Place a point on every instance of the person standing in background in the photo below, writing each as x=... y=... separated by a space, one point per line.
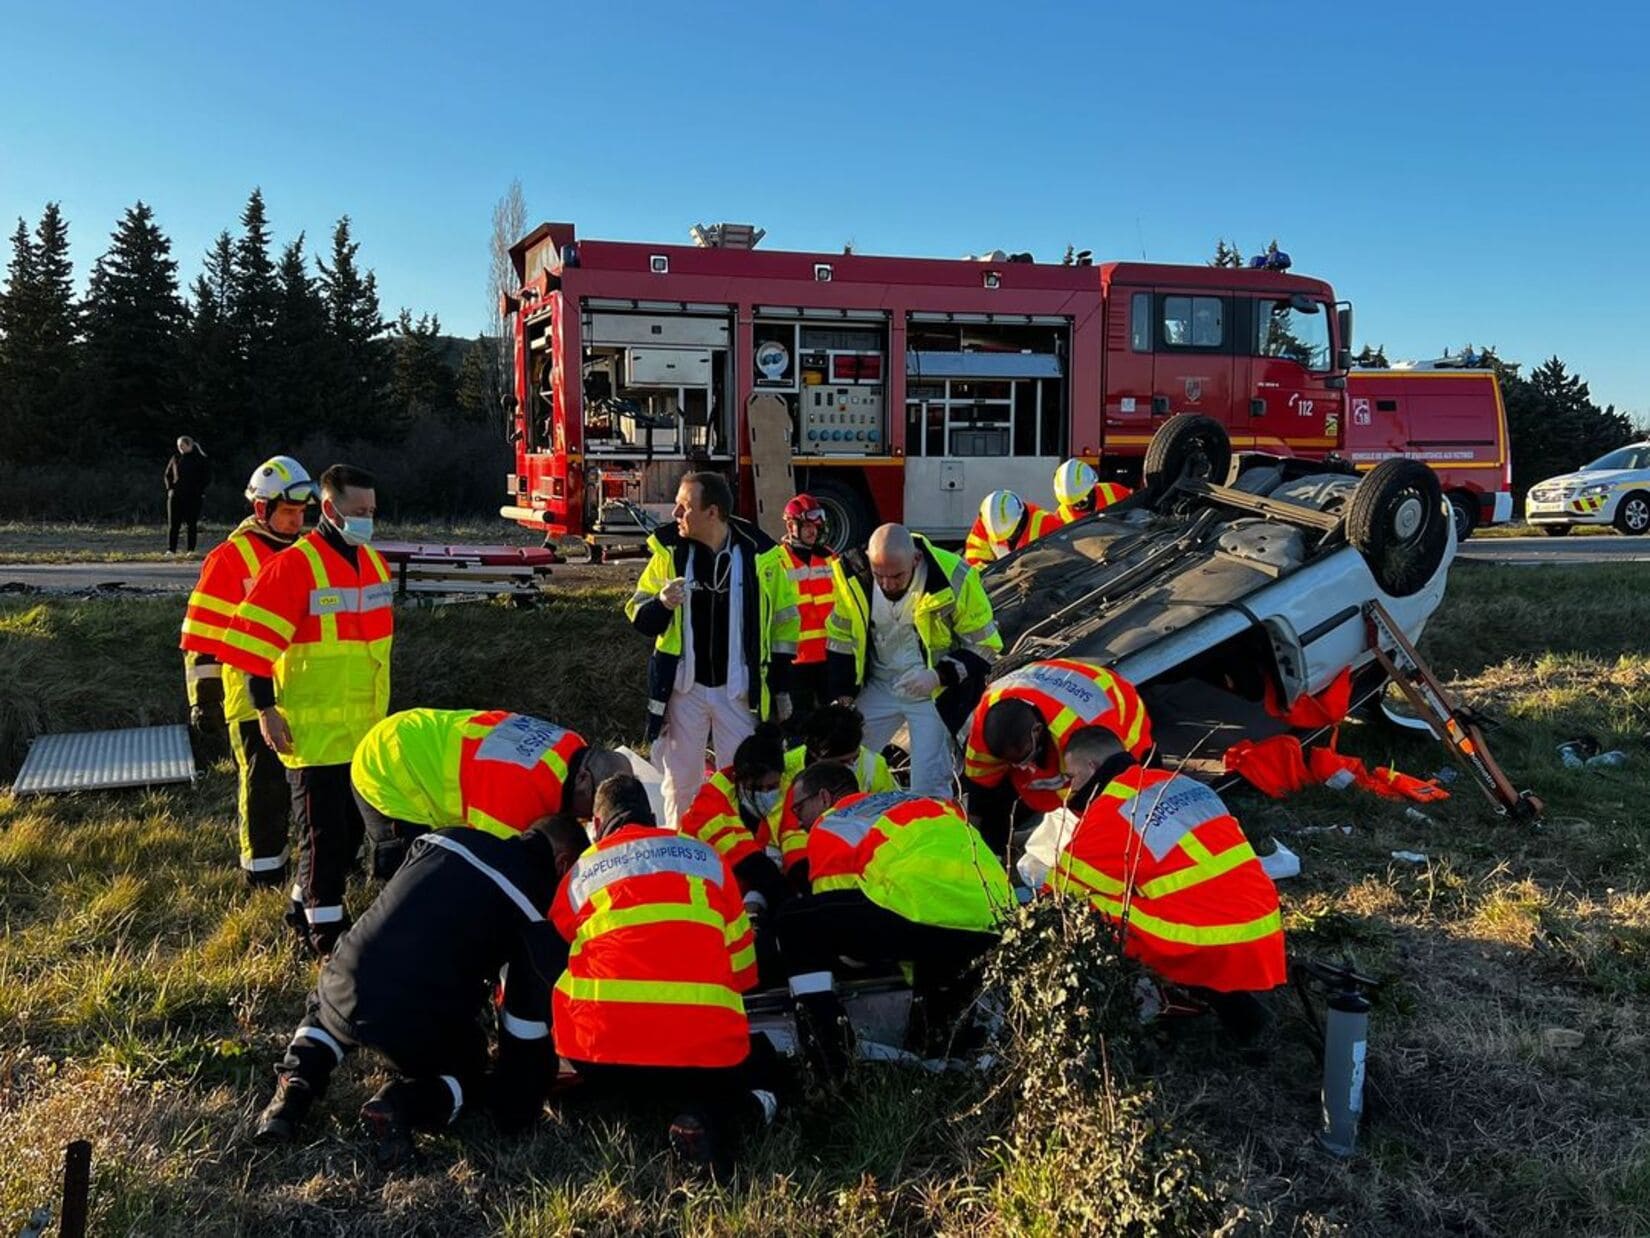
x=187 y=475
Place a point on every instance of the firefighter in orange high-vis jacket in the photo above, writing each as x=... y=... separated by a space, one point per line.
x=660 y=952
x=1006 y=523
x=489 y=769
x=731 y=814
x=314 y=635
x=1079 y=491
x=1017 y=736
x=1159 y=855
x=808 y=561
x=279 y=490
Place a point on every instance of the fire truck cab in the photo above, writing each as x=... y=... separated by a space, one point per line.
x=913 y=386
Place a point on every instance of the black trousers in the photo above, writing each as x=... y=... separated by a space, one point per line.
x=264 y=801
x=809 y=688
x=182 y=509
x=817 y=931
x=387 y=837
x=329 y=836
x=443 y=1067
x=721 y=1095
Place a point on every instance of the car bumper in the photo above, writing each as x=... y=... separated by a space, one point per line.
x=1596 y=509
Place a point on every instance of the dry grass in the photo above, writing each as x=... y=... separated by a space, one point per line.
x=144 y=993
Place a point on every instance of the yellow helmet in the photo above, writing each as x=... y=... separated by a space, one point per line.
x=1074 y=481
x=1000 y=512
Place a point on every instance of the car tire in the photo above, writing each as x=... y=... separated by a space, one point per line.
x=1186 y=445
x=1464 y=508
x=1555 y=530
x=1633 y=514
x=1398 y=521
x=847 y=516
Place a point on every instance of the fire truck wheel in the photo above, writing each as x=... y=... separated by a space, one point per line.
x=1633 y=514
x=1186 y=445
x=1465 y=511
x=847 y=516
x=1397 y=521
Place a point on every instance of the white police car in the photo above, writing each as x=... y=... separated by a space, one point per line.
x=1614 y=489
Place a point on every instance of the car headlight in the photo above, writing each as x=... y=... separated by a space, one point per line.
x=1587 y=492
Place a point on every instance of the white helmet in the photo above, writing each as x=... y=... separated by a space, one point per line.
x=1000 y=512
x=283 y=478
x=1074 y=481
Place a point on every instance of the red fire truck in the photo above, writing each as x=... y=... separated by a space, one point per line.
x=914 y=385
x=1446 y=416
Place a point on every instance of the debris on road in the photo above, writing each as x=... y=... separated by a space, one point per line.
x=1409 y=857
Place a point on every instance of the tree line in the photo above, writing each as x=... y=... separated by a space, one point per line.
x=1553 y=421
x=272 y=347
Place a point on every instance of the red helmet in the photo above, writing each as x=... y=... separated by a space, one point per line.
x=804 y=508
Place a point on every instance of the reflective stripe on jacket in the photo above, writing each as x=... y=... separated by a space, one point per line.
x=915 y=856
x=323 y=630
x=714 y=819
x=660 y=951
x=981 y=549
x=226 y=576
x=870 y=772
x=953 y=616
x=1160 y=853
x=1068 y=694
x=491 y=769
x=772 y=623
x=1105 y=494
x=815 y=583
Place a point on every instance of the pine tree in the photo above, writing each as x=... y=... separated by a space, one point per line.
x=1553 y=422
x=253 y=275
x=134 y=324
x=477 y=384
x=216 y=384
x=1372 y=359
x=1226 y=254
x=38 y=337
x=304 y=349
x=421 y=385
x=357 y=381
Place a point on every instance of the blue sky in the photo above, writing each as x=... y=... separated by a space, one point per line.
x=1460 y=172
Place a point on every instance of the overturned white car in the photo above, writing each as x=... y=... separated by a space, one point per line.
x=1225 y=571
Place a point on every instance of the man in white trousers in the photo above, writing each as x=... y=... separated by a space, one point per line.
x=913 y=636
x=722 y=610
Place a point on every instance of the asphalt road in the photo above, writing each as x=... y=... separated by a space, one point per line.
x=1544 y=549
x=178 y=577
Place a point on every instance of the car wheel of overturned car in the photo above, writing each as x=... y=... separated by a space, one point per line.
x=1186 y=445
x=1633 y=514
x=1398 y=522
x=1465 y=514
x=1556 y=530
x=847 y=520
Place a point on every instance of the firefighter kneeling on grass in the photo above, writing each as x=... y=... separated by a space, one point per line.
x=314 y=636
x=492 y=770
x=898 y=879
x=1013 y=761
x=1159 y=854
x=279 y=490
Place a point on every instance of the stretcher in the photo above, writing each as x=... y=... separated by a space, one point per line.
x=431 y=572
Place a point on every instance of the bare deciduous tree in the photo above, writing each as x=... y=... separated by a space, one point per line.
x=509 y=226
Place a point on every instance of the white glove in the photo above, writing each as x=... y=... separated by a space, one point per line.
x=918 y=684
x=782 y=707
x=674 y=592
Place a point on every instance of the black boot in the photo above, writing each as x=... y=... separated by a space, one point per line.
x=387 y=1127
x=281 y=1118
x=697 y=1144
x=272 y=879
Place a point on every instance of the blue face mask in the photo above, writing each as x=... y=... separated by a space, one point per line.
x=356 y=530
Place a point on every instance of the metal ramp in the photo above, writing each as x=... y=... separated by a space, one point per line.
x=141 y=756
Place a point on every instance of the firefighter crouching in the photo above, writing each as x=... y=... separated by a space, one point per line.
x=809 y=563
x=834 y=734
x=1013 y=760
x=313 y=635
x=412 y=978
x=896 y=879
x=730 y=815
x=1006 y=523
x=492 y=770
x=278 y=490
x=723 y=613
x=913 y=635
x=1079 y=491
x=1160 y=854
x=660 y=952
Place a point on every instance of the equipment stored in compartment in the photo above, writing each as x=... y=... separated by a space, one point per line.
x=667 y=367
